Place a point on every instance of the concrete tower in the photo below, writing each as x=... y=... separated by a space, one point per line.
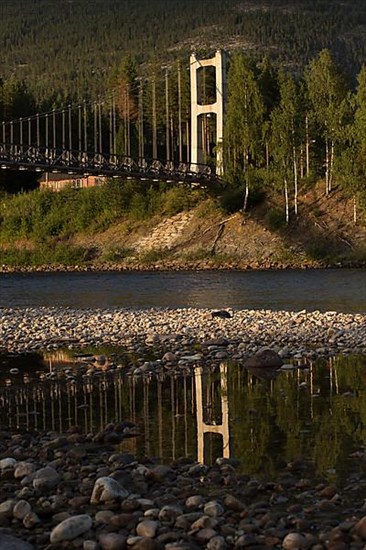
x=216 y=108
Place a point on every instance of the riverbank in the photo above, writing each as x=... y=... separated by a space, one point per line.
x=79 y=490
x=180 y=265
x=69 y=491
x=190 y=334
x=202 y=236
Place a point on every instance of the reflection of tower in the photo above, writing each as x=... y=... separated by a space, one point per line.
x=199 y=108
x=203 y=427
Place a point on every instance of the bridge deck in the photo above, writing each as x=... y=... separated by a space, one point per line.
x=42 y=159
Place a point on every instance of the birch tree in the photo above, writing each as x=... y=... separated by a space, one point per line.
x=245 y=110
x=326 y=91
x=352 y=161
x=285 y=139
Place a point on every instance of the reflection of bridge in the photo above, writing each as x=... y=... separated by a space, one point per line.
x=88 y=138
x=203 y=427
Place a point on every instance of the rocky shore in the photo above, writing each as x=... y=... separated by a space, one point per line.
x=229 y=334
x=77 y=490
x=67 y=491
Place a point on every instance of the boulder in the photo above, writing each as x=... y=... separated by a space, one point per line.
x=264 y=358
x=106 y=489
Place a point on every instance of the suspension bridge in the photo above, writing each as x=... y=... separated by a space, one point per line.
x=86 y=139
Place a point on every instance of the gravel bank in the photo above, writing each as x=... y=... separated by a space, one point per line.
x=242 y=332
x=68 y=491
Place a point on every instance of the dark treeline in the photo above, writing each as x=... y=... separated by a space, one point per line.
x=67 y=49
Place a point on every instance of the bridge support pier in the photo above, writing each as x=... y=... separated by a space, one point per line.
x=216 y=108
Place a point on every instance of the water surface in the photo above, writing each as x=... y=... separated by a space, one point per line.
x=316 y=412
x=342 y=290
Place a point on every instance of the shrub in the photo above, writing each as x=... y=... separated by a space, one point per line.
x=276 y=219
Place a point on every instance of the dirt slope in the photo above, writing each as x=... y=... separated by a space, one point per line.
x=323 y=233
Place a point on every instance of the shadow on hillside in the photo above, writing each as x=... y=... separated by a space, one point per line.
x=322 y=231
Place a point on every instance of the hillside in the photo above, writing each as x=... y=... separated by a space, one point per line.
x=70 y=48
x=202 y=236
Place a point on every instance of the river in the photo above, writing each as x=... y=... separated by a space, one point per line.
x=342 y=290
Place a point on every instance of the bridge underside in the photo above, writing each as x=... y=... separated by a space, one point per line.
x=41 y=159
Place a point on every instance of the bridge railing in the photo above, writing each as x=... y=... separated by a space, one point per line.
x=48 y=159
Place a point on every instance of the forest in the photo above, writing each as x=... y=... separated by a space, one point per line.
x=68 y=49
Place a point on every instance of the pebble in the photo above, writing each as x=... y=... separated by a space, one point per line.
x=106 y=489
x=71 y=528
x=290 y=333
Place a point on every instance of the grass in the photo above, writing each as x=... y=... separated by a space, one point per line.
x=59 y=253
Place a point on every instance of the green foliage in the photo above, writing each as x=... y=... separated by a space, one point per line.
x=49 y=219
x=117 y=253
x=276 y=219
x=155 y=255
x=53 y=252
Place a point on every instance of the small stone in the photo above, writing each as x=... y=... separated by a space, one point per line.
x=147 y=528
x=112 y=541
x=213 y=509
x=170 y=513
x=169 y=356
x=204 y=535
x=7 y=463
x=30 y=520
x=233 y=503
x=7 y=507
x=71 y=528
x=106 y=489
x=360 y=528
x=90 y=545
x=216 y=543
x=294 y=541
x=21 y=509
x=194 y=501
x=103 y=516
x=45 y=479
x=24 y=469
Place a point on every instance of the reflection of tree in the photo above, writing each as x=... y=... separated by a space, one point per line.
x=318 y=413
x=306 y=413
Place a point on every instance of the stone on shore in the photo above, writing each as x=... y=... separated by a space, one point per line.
x=266 y=358
x=71 y=528
x=107 y=489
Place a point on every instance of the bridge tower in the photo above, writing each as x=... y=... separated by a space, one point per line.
x=198 y=108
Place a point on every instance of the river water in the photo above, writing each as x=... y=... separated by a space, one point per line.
x=315 y=411
x=342 y=290
x=265 y=420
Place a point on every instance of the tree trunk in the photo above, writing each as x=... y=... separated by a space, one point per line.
x=295 y=180
x=246 y=196
x=354 y=210
x=286 y=200
x=326 y=167
x=331 y=164
x=307 y=146
x=301 y=161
